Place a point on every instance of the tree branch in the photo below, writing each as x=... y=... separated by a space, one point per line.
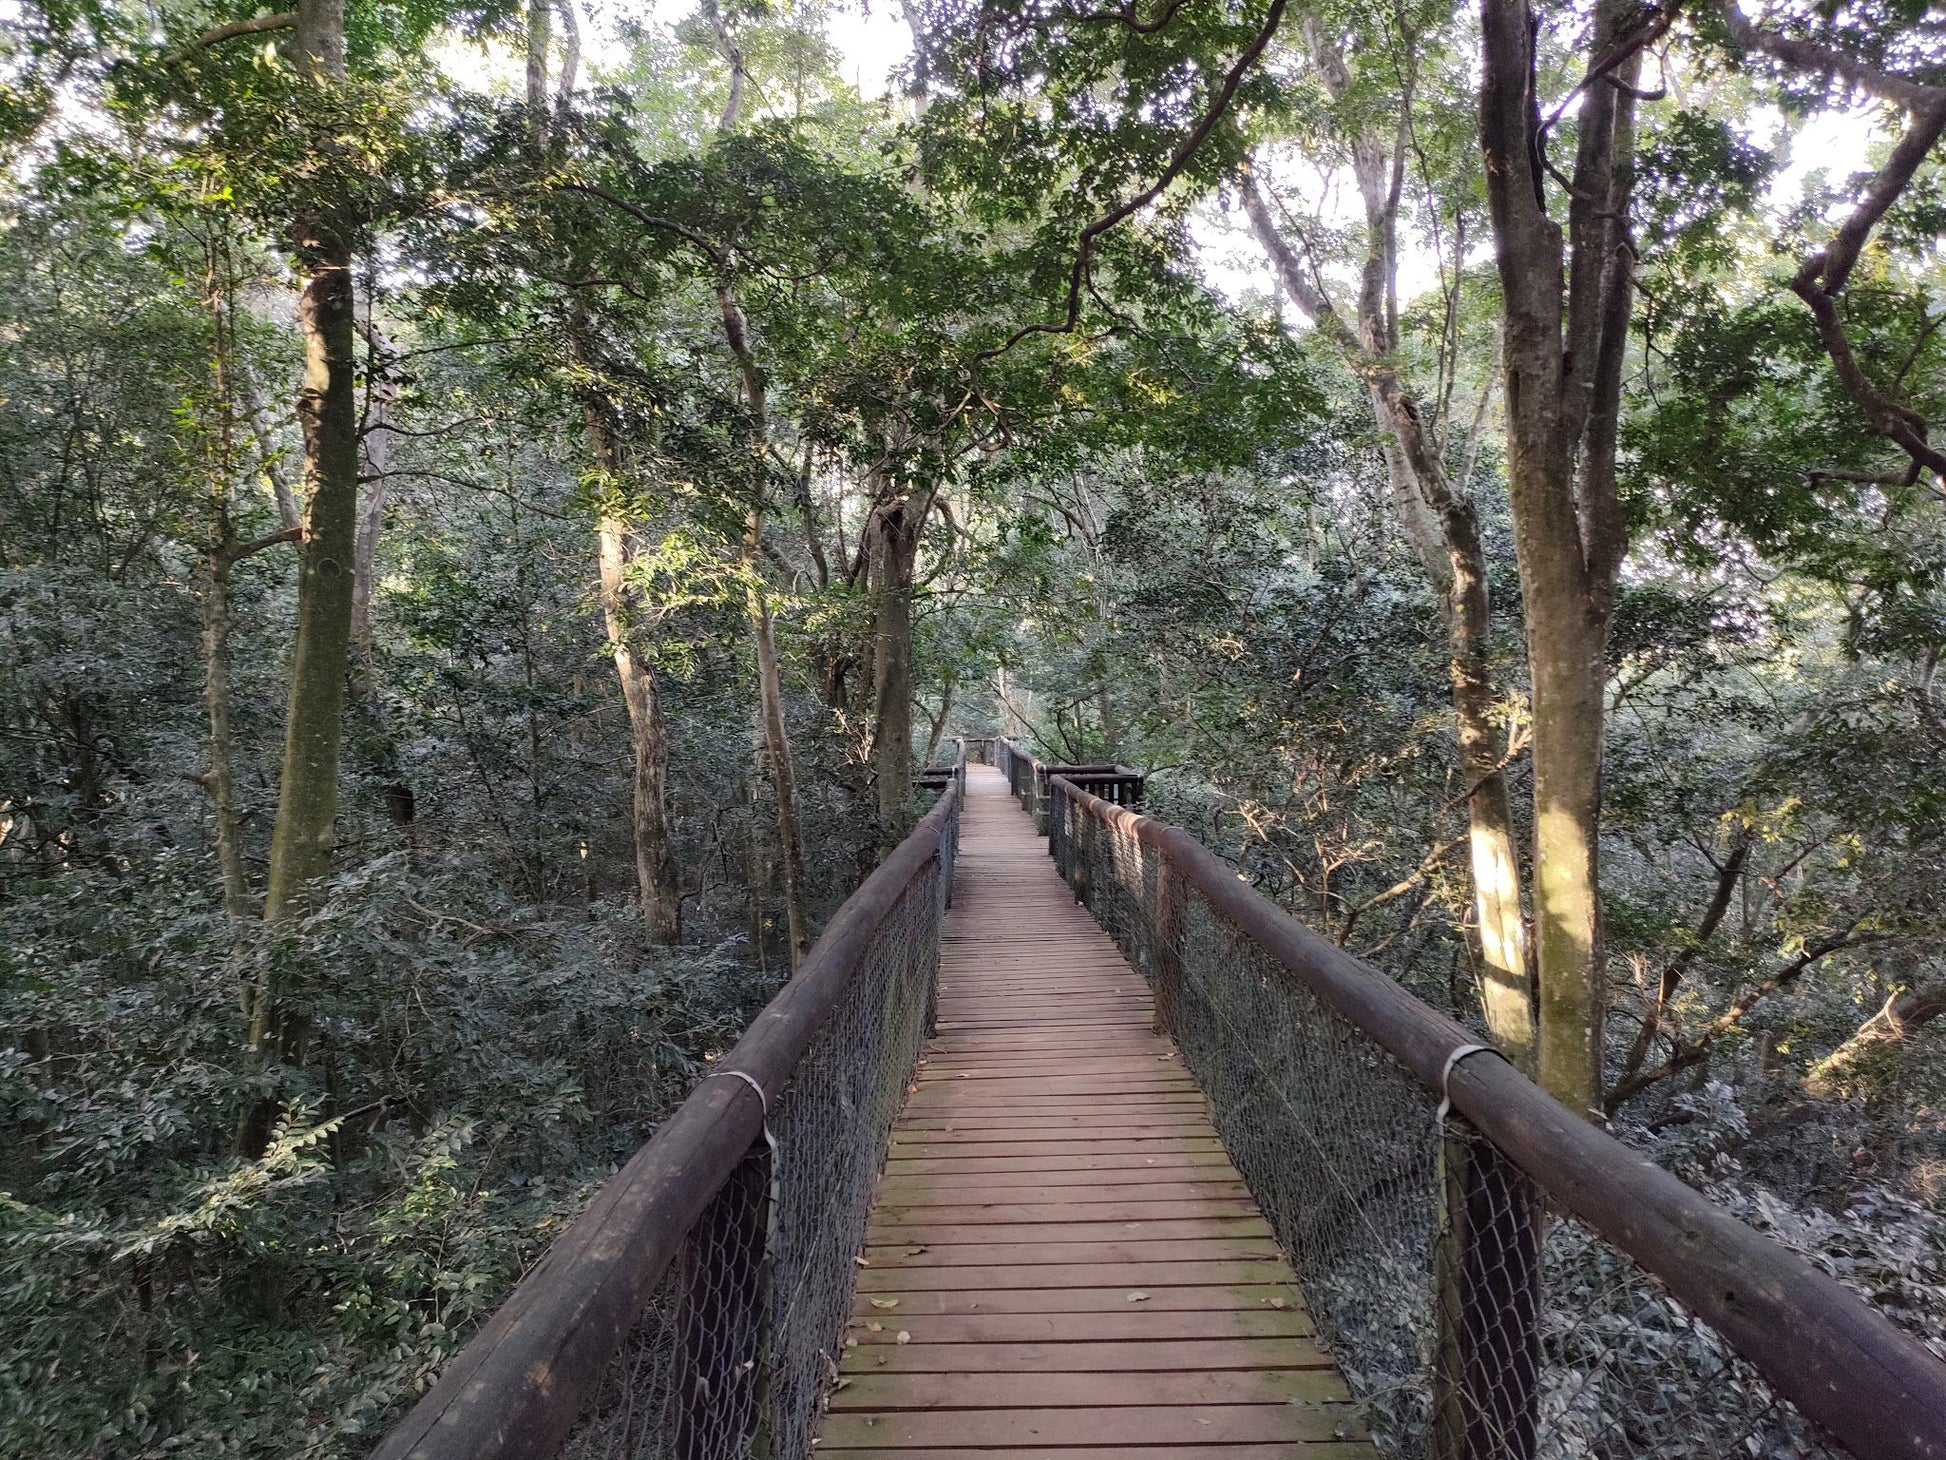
x=237 y=552
x=708 y=246
x=1822 y=277
x=284 y=20
x=1178 y=162
x=1688 y=1056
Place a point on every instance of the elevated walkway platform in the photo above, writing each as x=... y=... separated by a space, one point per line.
x=1062 y=1263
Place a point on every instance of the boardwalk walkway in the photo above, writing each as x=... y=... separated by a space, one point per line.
x=1062 y=1263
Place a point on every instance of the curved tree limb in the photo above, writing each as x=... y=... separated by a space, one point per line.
x=257 y=25
x=1178 y=162
x=1822 y=277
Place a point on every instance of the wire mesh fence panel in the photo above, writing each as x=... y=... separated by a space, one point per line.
x=735 y=1351
x=1112 y=873
x=831 y=1129
x=628 y=1417
x=1341 y=1151
x=1471 y=1321
x=1629 y=1371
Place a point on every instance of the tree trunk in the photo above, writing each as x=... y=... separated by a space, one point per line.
x=777 y=744
x=895 y=546
x=1562 y=391
x=289 y=513
x=1867 y=1057
x=655 y=870
x=938 y=731
x=327 y=409
x=220 y=779
x=570 y=53
x=770 y=685
x=539 y=28
x=1565 y=655
x=655 y=865
x=381 y=390
x=1442 y=527
x=305 y=833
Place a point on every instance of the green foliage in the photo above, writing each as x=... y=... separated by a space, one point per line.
x=481 y=1070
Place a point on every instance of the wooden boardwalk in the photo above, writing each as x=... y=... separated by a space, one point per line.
x=1062 y=1263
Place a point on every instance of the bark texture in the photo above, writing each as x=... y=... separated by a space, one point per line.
x=220 y=779
x=895 y=527
x=651 y=824
x=327 y=409
x=1442 y=526
x=770 y=684
x=1565 y=320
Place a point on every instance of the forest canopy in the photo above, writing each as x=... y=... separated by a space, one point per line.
x=499 y=501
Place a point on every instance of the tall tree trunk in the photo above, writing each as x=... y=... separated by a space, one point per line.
x=895 y=529
x=305 y=833
x=1563 y=392
x=655 y=863
x=570 y=53
x=1442 y=527
x=777 y=744
x=938 y=731
x=655 y=869
x=770 y=684
x=381 y=391
x=220 y=779
x=289 y=513
x=756 y=862
x=307 y=806
x=539 y=26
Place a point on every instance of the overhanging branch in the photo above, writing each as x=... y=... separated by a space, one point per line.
x=1178 y=162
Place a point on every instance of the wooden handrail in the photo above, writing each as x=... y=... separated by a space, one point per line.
x=515 y=1390
x=1840 y=1361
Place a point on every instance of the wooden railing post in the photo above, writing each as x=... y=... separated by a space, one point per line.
x=1165 y=943
x=1078 y=830
x=722 y=1324
x=1487 y=1293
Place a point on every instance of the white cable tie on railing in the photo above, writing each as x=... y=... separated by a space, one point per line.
x=770 y=1141
x=1446 y=1078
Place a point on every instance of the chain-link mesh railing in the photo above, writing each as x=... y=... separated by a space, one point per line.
x=1022 y=771
x=745 y=1232
x=1474 y=1312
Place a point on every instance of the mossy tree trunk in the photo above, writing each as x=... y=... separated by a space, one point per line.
x=1565 y=318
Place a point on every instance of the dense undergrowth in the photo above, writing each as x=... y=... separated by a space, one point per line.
x=480 y=1070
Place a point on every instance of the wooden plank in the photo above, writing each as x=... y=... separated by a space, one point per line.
x=1146 y=1424
x=1052 y=1250
x=1086 y=1356
x=1137 y=1272
x=1265 y=1293
x=985 y=1120
x=1094 y=1159
x=1191 y=1185
x=1105 y=1172
x=921 y=1391
x=1144 y=1325
x=893 y=1213
x=1301 y=1450
x=1145 y=1151
x=1068 y=1230
x=1087 y=1137
x=929 y=1098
